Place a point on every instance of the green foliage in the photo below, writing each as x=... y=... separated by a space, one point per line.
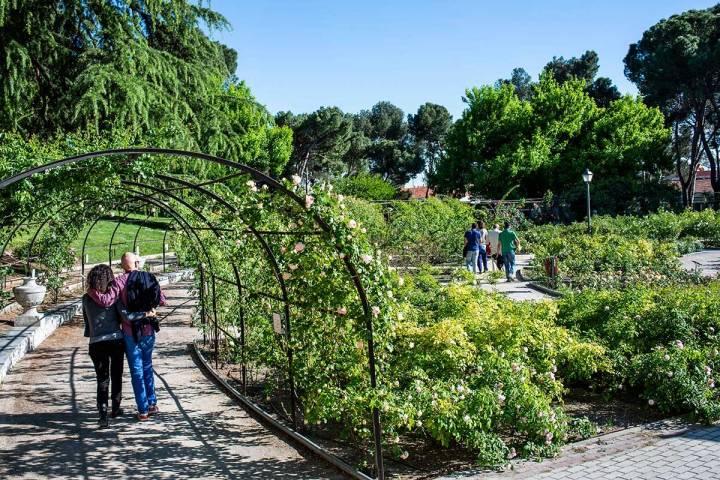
x=662 y=342
x=366 y=186
x=625 y=249
x=675 y=68
x=429 y=230
x=149 y=69
x=545 y=142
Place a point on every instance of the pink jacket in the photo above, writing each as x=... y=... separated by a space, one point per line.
x=115 y=292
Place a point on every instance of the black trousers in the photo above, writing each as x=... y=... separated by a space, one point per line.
x=108 y=358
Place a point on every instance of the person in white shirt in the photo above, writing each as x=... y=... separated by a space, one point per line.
x=482 y=254
x=493 y=243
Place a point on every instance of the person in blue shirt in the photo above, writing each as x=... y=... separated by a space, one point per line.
x=472 y=245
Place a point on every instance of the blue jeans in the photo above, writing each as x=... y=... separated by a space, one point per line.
x=482 y=259
x=509 y=261
x=471 y=260
x=139 y=356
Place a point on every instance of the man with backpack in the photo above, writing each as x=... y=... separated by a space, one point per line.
x=138 y=291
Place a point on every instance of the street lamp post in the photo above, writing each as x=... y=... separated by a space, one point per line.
x=587 y=178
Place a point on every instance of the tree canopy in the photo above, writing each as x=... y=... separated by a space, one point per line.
x=676 y=66
x=545 y=142
x=146 y=67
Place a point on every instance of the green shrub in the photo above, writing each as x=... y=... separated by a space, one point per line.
x=428 y=230
x=366 y=186
x=663 y=342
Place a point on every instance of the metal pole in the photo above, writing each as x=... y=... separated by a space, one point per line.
x=589 y=221
x=215 y=321
x=202 y=302
x=87 y=235
x=164 y=249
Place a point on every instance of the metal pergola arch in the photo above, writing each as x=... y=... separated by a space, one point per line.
x=276 y=188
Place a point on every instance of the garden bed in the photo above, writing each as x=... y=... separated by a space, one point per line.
x=428 y=459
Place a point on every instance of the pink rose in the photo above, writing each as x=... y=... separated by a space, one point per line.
x=342 y=311
x=299 y=247
x=375 y=311
x=352 y=224
x=286 y=276
x=309 y=200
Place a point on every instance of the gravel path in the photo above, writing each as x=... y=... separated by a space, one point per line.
x=48 y=430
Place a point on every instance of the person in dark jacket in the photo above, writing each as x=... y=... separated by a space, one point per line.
x=107 y=343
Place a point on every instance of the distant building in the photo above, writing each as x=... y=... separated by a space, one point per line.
x=421 y=191
x=702 y=181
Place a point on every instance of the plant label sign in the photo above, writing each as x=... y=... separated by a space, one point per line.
x=277 y=324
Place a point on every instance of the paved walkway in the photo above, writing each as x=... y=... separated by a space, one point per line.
x=665 y=450
x=707 y=261
x=48 y=429
x=516 y=290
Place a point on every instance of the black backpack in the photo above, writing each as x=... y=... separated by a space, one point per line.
x=143 y=291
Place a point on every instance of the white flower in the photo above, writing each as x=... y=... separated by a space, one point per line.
x=670 y=374
x=400 y=316
x=251 y=184
x=651 y=402
x=466 y=418
x=299 y=247
x=283 y=249
x=418 y=423
x=404 y=455
x=607 y=308
x=460 y=388
x=548 y=437
x=434 y=403
x=666 y=357
x=296 y=179
x=341 y=198
x=309 y=200
x=711 y=382
x=712 y=330
x=679 y=344
x=525 y=349
x=238 y=242
x=293 y=266
x=341 y=255
x=286 y=276
x=401 y=281
x=363 y=230
x=352 y=224
x=501 y=398
x=265 y=186
x=511 y=454
x=367 y=258
x=412 y=345
x=515 y=367
x=375 y=311
x=551 y=375
x=342 y=311
x=708 y=370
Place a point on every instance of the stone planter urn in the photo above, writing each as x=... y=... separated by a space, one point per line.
x=29 y=295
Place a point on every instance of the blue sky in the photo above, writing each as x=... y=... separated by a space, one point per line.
x=300 y=55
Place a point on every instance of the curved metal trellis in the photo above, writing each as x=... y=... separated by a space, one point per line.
x=276 y=188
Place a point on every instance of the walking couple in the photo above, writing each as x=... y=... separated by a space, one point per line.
x=120 y=320
x=501 y=244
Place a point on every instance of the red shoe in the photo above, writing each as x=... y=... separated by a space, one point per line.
x=143 y=417
x=153 y=410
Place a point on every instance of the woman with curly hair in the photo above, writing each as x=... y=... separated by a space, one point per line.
x=107 y=343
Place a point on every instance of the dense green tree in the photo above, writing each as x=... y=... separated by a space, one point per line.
x=391 y=149
x=521 y=80
x=585 y=68
x=676 y=66
x=544 y=143
x=320 y=142
x=142 y=66
x=428 y=128
x=366 y=186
